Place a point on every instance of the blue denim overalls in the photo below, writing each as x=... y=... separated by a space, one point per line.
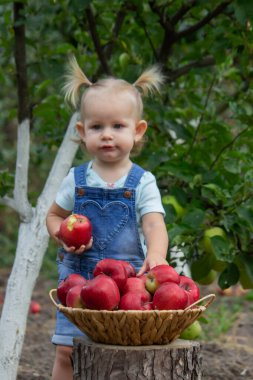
x=115 y=235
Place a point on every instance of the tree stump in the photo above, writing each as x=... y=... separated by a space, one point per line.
x=179 y=360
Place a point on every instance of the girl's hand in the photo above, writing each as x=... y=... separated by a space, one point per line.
x=73 y=250
x=150 y=262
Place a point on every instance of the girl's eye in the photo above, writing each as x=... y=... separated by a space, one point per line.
x=96 y=127
x=118 y=126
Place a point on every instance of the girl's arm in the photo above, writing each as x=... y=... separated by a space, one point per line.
x=157 y=241
x=55 y=216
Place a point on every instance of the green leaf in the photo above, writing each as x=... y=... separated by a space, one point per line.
x=201 y=267
x=220 y=246
x=230 y=276
x=194 y=218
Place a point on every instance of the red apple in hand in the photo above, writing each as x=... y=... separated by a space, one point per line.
x=191 y=289
x=160 y=274
x=135 y=301
x=100 y=293
x=114 y=269
x=73 y=298
x=131 y=272
x=64 y=286
x=169 y=296
x=75 y=230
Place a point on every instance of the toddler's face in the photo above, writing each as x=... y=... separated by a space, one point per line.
x=110 y=124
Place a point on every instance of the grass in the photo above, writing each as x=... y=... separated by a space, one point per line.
x=220 y=317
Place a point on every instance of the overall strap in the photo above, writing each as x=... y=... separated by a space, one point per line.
x=80 y=174
x=134 y=176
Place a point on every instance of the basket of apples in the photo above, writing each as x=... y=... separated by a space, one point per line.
x=117 y=307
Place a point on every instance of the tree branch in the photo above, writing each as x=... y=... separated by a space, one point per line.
x=201 y=116
x=205 y=62
x=148 y=37
x=182 y=11
x=7 y=201
x=227 y=146
x=61 y=165
x=20 y=60
x=117 y=26
x=23 y=139
x=219 y=9
x=96 y=40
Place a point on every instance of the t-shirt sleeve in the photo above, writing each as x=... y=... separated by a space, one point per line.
x=65 y=197
x=148 y=197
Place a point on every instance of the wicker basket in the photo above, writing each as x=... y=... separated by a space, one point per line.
x=132 y=327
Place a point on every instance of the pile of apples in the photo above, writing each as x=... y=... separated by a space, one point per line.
x=115 y=286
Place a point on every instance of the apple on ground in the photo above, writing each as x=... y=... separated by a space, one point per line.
x=35 y=307
x=64 y=286
x=131 y=272
x=170 y=296
x=100 y=293
x=171 y=200
x=192 y=332
x=191 y=288
x=160 y=274
x=73 y=298
x=208 y=234
x=114 y=269
x=135 y=300
x=135 y=284
x=75 y=230
x=209 y=278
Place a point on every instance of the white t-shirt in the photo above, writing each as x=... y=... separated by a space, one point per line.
x=148 y=198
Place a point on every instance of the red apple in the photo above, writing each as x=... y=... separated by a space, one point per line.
x=100 y=293
x=143 y=278
x=191 y=289
x=170 y=296
x=135 y=284
x=135 y=301
x=35 y=307
x=64 y=286
x=75 y=230
x=73 y=298
x=114 y=269
x=160 y=274
x=131 y=272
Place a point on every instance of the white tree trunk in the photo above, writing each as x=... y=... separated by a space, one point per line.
x=31 y=246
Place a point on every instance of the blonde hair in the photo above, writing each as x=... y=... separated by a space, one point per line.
x=148 y=83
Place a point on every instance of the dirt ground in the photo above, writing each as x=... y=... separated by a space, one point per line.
x=229 y=358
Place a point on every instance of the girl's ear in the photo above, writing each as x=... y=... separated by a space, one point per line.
x=80 y=130
x=140 y=130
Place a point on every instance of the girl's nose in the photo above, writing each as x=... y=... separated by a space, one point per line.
x=107 y=133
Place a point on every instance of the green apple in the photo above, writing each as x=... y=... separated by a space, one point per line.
x=208 y=234
x=192 y=332
x=124 y=60
x=171 y=200
x=219 y=265
x=245 y=279
x=209 y=278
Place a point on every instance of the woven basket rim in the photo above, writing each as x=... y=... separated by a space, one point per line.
x=194 y=307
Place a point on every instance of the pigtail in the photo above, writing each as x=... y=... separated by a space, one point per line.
x=150 y=81
x=74 y=80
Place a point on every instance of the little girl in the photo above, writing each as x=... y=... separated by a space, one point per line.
x=120 y=198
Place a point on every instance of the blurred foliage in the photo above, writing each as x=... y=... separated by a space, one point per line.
x=200 y=137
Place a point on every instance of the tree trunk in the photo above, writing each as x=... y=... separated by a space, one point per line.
x=32 y=244
x=179 y=360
